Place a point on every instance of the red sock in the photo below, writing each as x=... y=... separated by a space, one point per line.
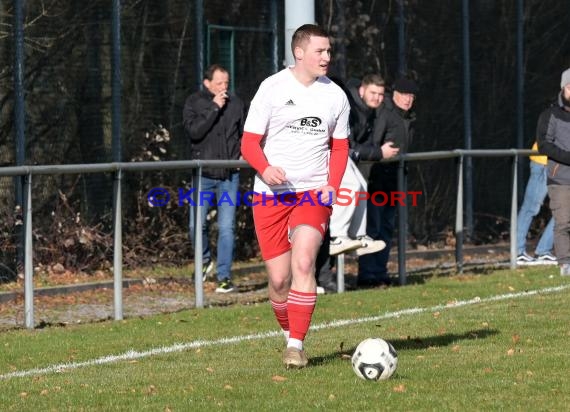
x=280 y=311
x=300 y=306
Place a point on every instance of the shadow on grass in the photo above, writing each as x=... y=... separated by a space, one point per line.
x=420 y=276
x=415 y=343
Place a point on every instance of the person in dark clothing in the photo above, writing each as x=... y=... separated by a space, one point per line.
x=213 y=120
x=394 y=125
x=553 y=137
x=348 y=220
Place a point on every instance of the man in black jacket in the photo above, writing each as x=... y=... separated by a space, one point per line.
x=553 y=137
x=394 y=126
x=348 y=219
x=213 y=121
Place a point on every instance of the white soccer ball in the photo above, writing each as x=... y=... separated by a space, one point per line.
x=374 y=359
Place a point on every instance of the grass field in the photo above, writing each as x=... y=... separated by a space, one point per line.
x=495 y=341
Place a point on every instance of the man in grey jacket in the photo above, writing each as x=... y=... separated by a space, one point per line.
x=553 y=136
x=213 y=120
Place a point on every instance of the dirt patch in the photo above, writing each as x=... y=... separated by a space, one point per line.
x=149 y=296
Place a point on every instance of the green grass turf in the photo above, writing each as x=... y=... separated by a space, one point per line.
x=505 y=353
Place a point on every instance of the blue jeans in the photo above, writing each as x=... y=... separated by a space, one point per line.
x=226 y=201
x=534 y=195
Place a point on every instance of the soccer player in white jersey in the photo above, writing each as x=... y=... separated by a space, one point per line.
x=295 y=137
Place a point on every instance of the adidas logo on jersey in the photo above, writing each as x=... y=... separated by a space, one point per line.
x=290 y=103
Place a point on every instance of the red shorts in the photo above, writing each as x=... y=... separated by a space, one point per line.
x=276 y=217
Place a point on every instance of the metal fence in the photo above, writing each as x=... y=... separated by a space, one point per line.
x=119 y=170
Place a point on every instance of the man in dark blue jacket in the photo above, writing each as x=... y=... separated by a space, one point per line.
x=553 y=136
x=394 y=128
x=213 y=121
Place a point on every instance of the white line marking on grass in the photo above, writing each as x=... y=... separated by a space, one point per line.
x=451 y=305
x=180 y=347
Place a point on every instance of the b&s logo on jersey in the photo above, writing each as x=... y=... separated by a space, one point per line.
x=307 y=125
x=308 y=121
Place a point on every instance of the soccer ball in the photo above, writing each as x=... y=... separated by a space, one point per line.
x=374 y=359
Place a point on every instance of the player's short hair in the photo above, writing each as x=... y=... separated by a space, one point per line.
x=304 y=33
x=209 y=73
x=374 y=79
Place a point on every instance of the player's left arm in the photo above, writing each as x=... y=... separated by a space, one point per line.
x=337 y=162
x=339 y=146
x=337 y=165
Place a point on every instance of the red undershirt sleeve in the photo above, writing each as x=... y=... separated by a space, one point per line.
x=337 y=163
x=252 y=152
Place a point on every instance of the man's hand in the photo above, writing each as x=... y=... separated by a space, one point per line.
x=220 y=99
x=326 y=195
x=274 y=175
x=388 y=150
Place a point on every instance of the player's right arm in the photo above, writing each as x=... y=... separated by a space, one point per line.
x=253 y=153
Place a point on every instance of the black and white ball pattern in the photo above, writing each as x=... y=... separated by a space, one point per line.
x=374 y=359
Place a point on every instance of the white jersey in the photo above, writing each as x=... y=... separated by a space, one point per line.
x=297 y=122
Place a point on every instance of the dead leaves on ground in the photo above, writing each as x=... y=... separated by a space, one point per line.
x=278 y=378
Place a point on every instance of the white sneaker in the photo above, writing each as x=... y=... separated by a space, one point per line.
x=341 y=244
x=369 y=245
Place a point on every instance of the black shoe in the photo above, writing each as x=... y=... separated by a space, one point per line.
x=547 y=258
x=329 y=287
x=525 y=259
x=225 y=286
x=373 y=283
x=207 y=268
